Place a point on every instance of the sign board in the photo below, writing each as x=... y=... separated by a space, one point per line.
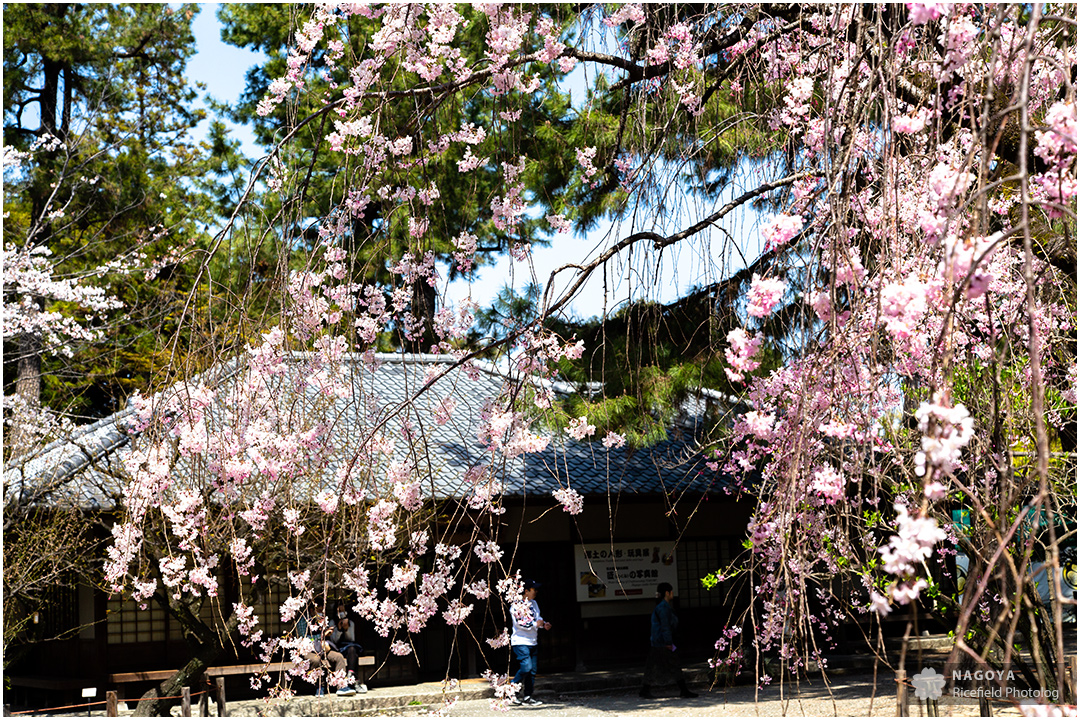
x=617 y=571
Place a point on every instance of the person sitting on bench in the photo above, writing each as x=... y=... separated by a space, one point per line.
x=344 y=639
x=315 y=626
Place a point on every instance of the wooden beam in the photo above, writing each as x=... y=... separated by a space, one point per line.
x=215 y=671
x=145 y=676
x=219 y=670
x=50 y=683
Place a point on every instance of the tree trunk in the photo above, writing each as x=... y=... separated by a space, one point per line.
x=50 y=91
x=65 y=117
x=158 y=701
x=28 y=388
x=206 y=646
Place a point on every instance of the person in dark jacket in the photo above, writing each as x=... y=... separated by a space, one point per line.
x=662 y=666
x=343 y=637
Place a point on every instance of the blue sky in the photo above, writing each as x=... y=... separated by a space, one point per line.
x=223 y=67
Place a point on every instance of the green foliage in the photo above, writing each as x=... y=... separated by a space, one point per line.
x=649 y=359
x=509 y=309
x=109 y=81
x=461 y=207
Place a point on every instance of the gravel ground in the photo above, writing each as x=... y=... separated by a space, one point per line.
x=851 y=695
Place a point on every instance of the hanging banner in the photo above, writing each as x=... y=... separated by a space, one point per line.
x=618 y=571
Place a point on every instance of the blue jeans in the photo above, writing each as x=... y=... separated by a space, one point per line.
x=526 y=657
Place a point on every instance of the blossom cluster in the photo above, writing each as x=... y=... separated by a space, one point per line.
x=570 y=499
x=30 y=280
x=906 y=552
x=742 y=347
x=764 y=294
x=946 y=431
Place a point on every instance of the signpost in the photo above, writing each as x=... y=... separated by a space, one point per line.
x=617 y=571
x=86 y=692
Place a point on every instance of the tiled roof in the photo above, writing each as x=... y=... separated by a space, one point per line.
x=87 y=467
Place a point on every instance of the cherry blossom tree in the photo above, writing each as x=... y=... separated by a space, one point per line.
x=100 y=200
x=103 y=194
x=912 y=169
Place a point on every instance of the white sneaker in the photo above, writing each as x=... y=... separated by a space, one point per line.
x=531 y=701
x=361 y=688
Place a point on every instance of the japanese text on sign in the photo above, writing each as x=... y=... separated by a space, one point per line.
x=623 y=570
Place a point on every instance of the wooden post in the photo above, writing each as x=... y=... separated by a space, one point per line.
x=185 y=701
x=110 y=704
x=985 y=709
x=204 y=699
x=931 y=708
x=1072 y=680
x=220 y=681
x=901 y=693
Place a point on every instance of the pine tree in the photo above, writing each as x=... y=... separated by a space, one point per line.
x=109 y=193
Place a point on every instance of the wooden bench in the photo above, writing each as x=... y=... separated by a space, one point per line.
x=125 y=679
x=121 y=680
x=363 y=662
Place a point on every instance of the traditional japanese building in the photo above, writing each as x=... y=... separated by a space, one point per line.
x=650 y=514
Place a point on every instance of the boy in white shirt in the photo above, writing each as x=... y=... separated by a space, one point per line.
x=525 y=615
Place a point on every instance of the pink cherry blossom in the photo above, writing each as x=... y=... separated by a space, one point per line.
x=934 y=490
x=382 y=530
x=910 y=124
x=570 y=499
x=759 y=424
x=457 y=612
x=585 y=158
x=903 y=592
x=946 y=431
x=829 y=484
x=907 y=551
x=922 y=13
x=579 y=428
x=499 y=641
x=327 y=501
x=629 y=12
x=764 y=294
x=488 y=552
x=741 y=348
x=614 y=440
x=781 y=230
x=559 y=222
x=879 y=604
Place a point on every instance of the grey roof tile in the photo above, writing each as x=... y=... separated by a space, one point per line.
x=86 y=466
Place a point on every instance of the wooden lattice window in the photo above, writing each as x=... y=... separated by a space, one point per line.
x=696 y=559
x=127 y=623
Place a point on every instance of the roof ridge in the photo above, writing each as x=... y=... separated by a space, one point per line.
x=80 y=431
